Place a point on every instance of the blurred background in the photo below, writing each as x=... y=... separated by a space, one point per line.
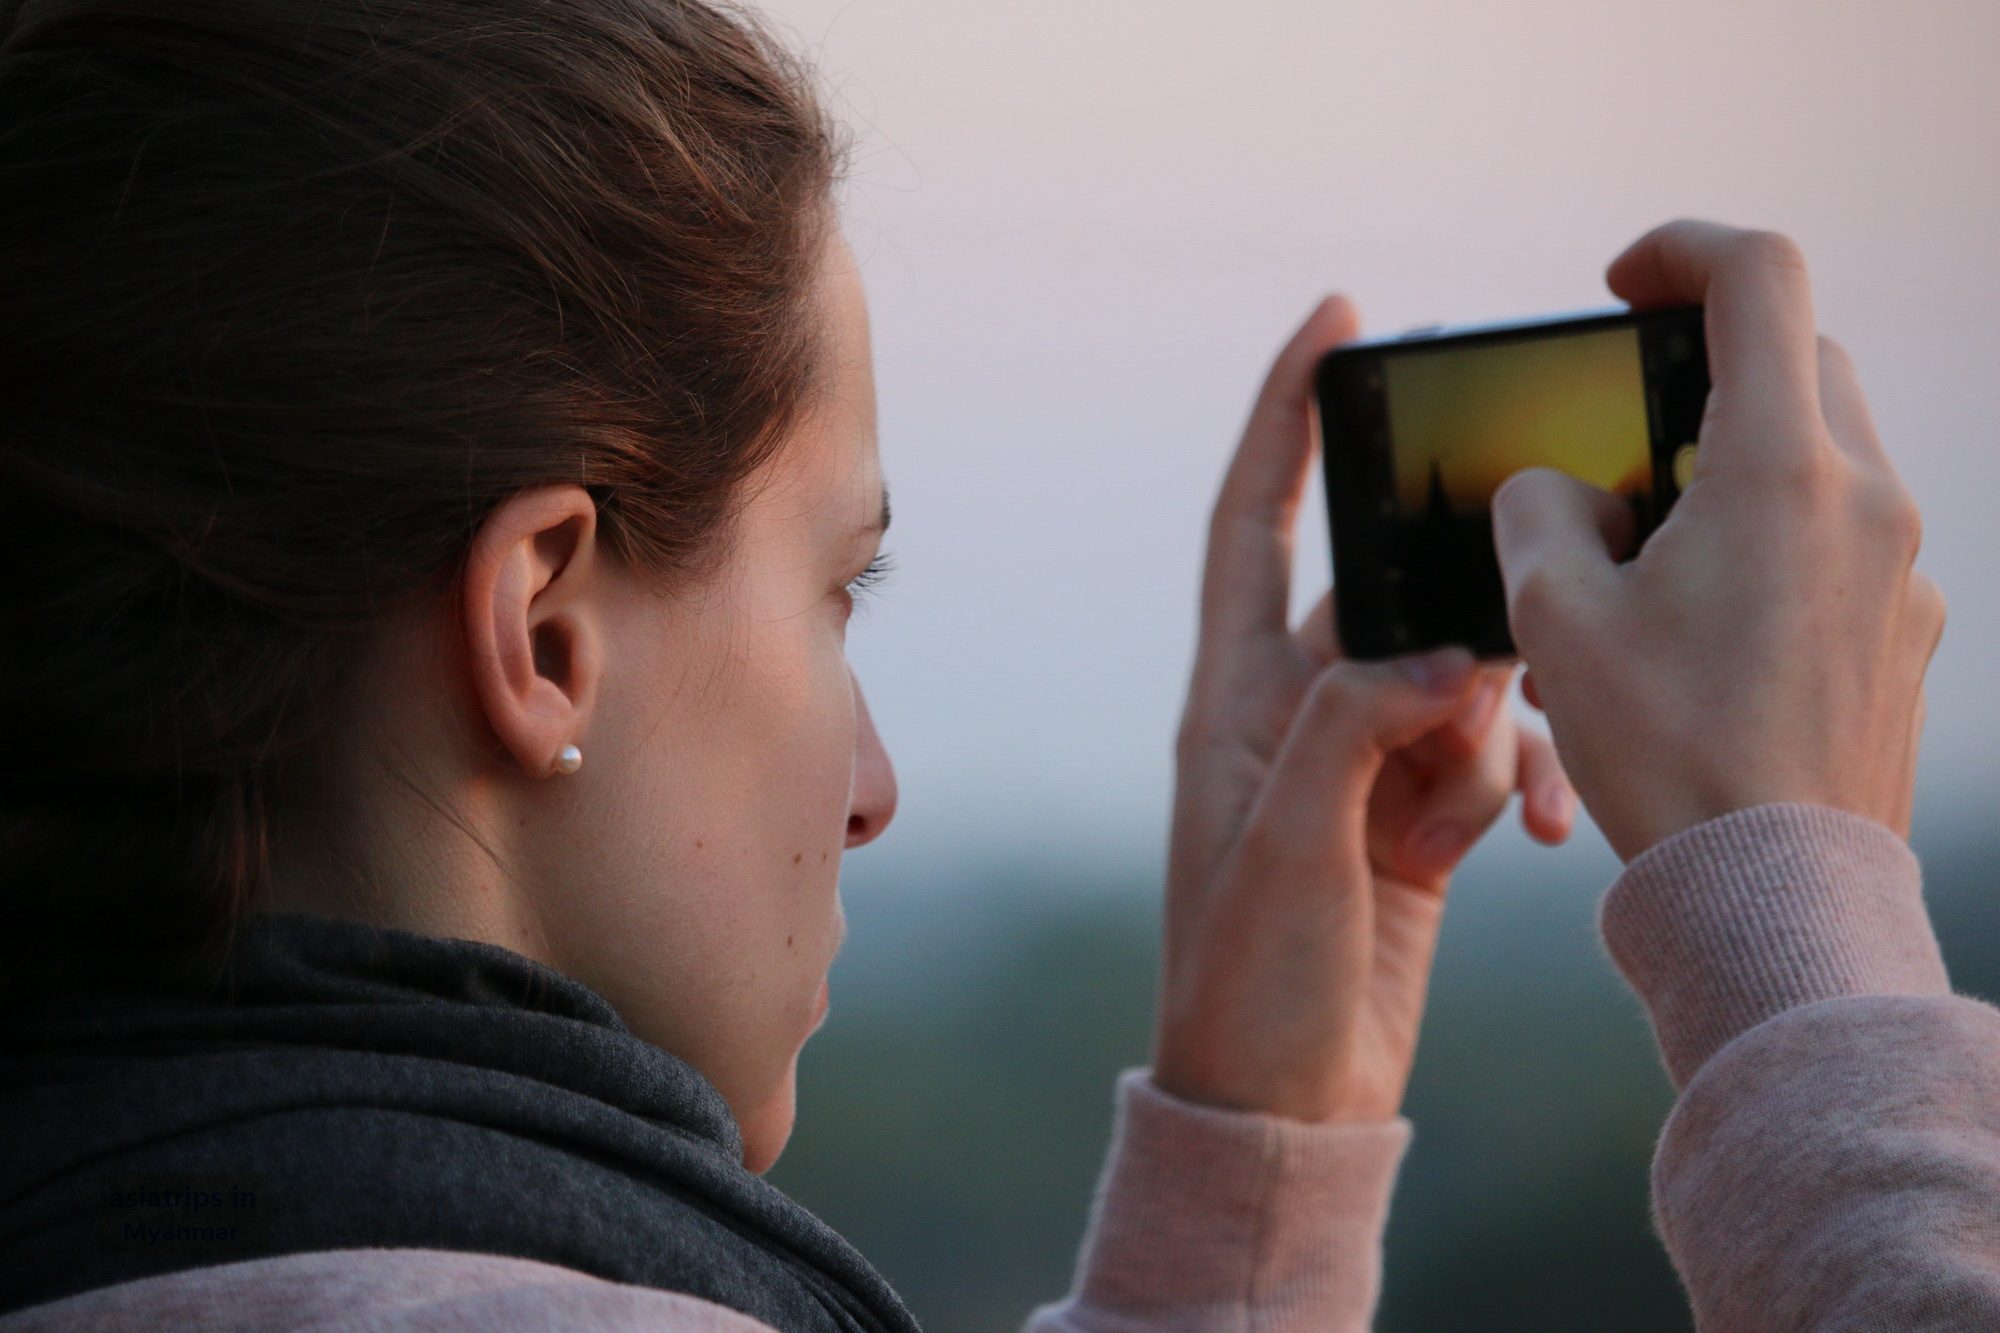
x=1085 y=226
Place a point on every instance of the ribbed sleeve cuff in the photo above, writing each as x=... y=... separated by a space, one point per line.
x=1745 y=917
x=1212 y=1219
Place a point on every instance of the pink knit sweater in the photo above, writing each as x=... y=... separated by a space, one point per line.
x=1833 y=1162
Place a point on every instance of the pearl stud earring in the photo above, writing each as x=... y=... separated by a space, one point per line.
x=570 y=760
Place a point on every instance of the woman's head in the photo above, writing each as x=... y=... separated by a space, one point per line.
x=389 y=396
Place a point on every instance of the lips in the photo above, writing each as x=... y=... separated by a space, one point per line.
x=822 y=1004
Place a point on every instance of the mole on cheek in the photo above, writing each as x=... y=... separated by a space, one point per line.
x=800 y=857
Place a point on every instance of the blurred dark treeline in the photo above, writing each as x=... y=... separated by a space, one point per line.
x=954 y=1112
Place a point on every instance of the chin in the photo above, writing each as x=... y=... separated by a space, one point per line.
x=768 y=1127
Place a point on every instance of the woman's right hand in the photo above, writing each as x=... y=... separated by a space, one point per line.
x=1320 y=808
x=1769 y=643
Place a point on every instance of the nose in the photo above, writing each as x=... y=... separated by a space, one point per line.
x=872 y=802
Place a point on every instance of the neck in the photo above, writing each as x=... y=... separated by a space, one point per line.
x=406 y=823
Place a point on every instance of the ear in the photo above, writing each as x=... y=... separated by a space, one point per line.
x=530 y=603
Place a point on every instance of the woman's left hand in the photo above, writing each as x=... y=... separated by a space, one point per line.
x=1320 y=809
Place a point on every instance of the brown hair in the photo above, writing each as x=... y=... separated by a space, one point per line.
x=292 y=293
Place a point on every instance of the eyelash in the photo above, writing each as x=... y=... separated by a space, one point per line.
x=871 y=578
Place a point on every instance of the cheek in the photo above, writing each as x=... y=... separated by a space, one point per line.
x=710 y=911
x=787 y=740
x=745 y=760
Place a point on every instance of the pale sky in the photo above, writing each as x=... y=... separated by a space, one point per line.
x=1086 y=224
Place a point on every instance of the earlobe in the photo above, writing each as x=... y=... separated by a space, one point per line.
x=530 y=597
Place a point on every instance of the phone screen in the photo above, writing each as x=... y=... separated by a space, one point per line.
x=1419 y=434
x=1464 y=419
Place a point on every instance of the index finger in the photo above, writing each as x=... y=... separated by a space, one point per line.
x=1763 y=344
x=1246 y=583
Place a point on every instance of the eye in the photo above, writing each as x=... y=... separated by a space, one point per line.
x=872 y=577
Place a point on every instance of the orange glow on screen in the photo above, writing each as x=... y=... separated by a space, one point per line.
x=1474 y=416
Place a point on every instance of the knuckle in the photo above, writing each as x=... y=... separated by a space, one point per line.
x=1339 y=705
x=1814 y=477
x=1900 y=525
x=1888 y=517
x=1336 y=691
x=1771 y=249
x=1270 y=850
x=1927 y=604
x=1537 y=597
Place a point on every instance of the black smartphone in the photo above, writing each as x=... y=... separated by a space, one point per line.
x=1419 y=432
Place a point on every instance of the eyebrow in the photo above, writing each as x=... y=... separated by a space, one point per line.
x=883 y=524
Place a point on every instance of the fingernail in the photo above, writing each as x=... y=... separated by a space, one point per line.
x=1436 y=850
x=1558 y=803
x=1441 y=671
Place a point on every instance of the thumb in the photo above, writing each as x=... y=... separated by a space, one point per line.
x=1559 y=540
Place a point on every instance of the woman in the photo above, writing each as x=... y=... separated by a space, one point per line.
x=438 y=466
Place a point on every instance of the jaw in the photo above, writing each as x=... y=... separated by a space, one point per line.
x=767 y=1127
